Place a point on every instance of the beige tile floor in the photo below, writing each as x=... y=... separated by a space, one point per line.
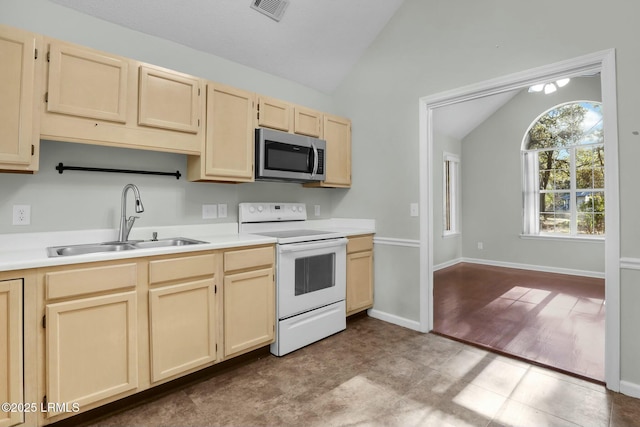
x=375 y=373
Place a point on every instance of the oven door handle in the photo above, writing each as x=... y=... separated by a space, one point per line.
x=320 y=244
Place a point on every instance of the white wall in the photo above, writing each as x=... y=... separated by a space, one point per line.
x=430 y=47
x=81 y=200
x=492 y=187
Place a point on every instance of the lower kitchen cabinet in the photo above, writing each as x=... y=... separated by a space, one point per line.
x=359 y=274
x=91 y=340
x=107 y=330
x=11 y=375
x=182 y=315
x=249 y=300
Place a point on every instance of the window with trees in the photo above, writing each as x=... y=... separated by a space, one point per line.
x=563 y=164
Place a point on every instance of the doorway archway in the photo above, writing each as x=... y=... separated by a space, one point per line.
x=600 y=62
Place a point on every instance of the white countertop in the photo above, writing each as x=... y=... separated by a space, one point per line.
x=20 y=251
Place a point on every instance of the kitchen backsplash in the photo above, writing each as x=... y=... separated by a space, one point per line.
x=77 y=200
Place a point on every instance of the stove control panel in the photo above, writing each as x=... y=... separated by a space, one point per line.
x=270 y=212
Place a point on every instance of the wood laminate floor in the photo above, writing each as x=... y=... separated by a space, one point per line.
x=550 y=319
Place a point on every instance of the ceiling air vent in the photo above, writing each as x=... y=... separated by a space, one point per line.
x=274 y=9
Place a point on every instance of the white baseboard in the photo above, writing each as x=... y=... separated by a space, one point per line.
x=546 y=269
x=630 y=389
x=447 y=264
x=392 y=318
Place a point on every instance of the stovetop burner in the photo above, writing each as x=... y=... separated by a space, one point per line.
x=283 y=221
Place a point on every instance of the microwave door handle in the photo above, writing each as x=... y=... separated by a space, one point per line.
x=315 y=159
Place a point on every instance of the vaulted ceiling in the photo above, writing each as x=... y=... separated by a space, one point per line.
x=316 y=43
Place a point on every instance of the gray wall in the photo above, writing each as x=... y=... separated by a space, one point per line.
x=492 y=186
x=433 y=46
x=428 y=47
x=81 y=200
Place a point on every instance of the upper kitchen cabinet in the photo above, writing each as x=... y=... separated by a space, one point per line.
x=87 y=83
x=307 y=122
x=99 y=98
x=337 y=133
x=228 y=153
x=169 y=100
x=287 y=117
x=21 y=54
x=273 y=113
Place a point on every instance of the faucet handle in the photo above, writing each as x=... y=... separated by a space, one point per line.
x=154 y=236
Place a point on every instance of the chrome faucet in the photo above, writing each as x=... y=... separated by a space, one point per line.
x=127 y=223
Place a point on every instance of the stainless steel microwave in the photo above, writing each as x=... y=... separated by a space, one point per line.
x=282 y=156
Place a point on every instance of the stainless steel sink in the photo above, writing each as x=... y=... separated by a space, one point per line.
x=91 y=248
x=177 y=241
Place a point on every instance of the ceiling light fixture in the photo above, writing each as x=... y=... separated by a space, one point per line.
x=274 y=9
x=549 y=87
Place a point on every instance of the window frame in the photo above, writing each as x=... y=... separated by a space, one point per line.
x=451 y=195
x=531 y=186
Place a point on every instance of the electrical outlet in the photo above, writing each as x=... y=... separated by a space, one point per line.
x=480 y=245
x=222 y=210
x=209 y=211
x=21 y=214
x=316 y=210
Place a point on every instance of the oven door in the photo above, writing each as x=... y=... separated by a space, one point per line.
x=311 y=275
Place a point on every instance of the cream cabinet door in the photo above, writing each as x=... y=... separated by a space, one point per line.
x=359 y=281
x=19 y=133
x=11 y=379
x=337 y=133
x=91 y=346
x=274 y=114
x=169 y=100
x=87 y=83
x=182 y=319
x=249 y=310
x=230 y=134
x=307 y=122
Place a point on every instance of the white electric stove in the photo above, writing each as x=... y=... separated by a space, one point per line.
x=310 y=273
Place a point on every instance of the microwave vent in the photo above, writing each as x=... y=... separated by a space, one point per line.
x=274 y=9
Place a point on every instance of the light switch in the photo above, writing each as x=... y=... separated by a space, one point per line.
x=413 y=209
x=209 y=211
x=222 y=210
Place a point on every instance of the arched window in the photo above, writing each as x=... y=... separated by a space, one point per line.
x=563 y=164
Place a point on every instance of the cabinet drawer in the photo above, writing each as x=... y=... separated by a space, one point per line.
x=82 y=281
x=166 y=270
x=357 y=244
x=248 y=258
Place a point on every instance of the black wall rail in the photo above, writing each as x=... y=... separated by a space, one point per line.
x=61 y=168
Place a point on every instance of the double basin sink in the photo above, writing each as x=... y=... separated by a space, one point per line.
x=90 y=248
